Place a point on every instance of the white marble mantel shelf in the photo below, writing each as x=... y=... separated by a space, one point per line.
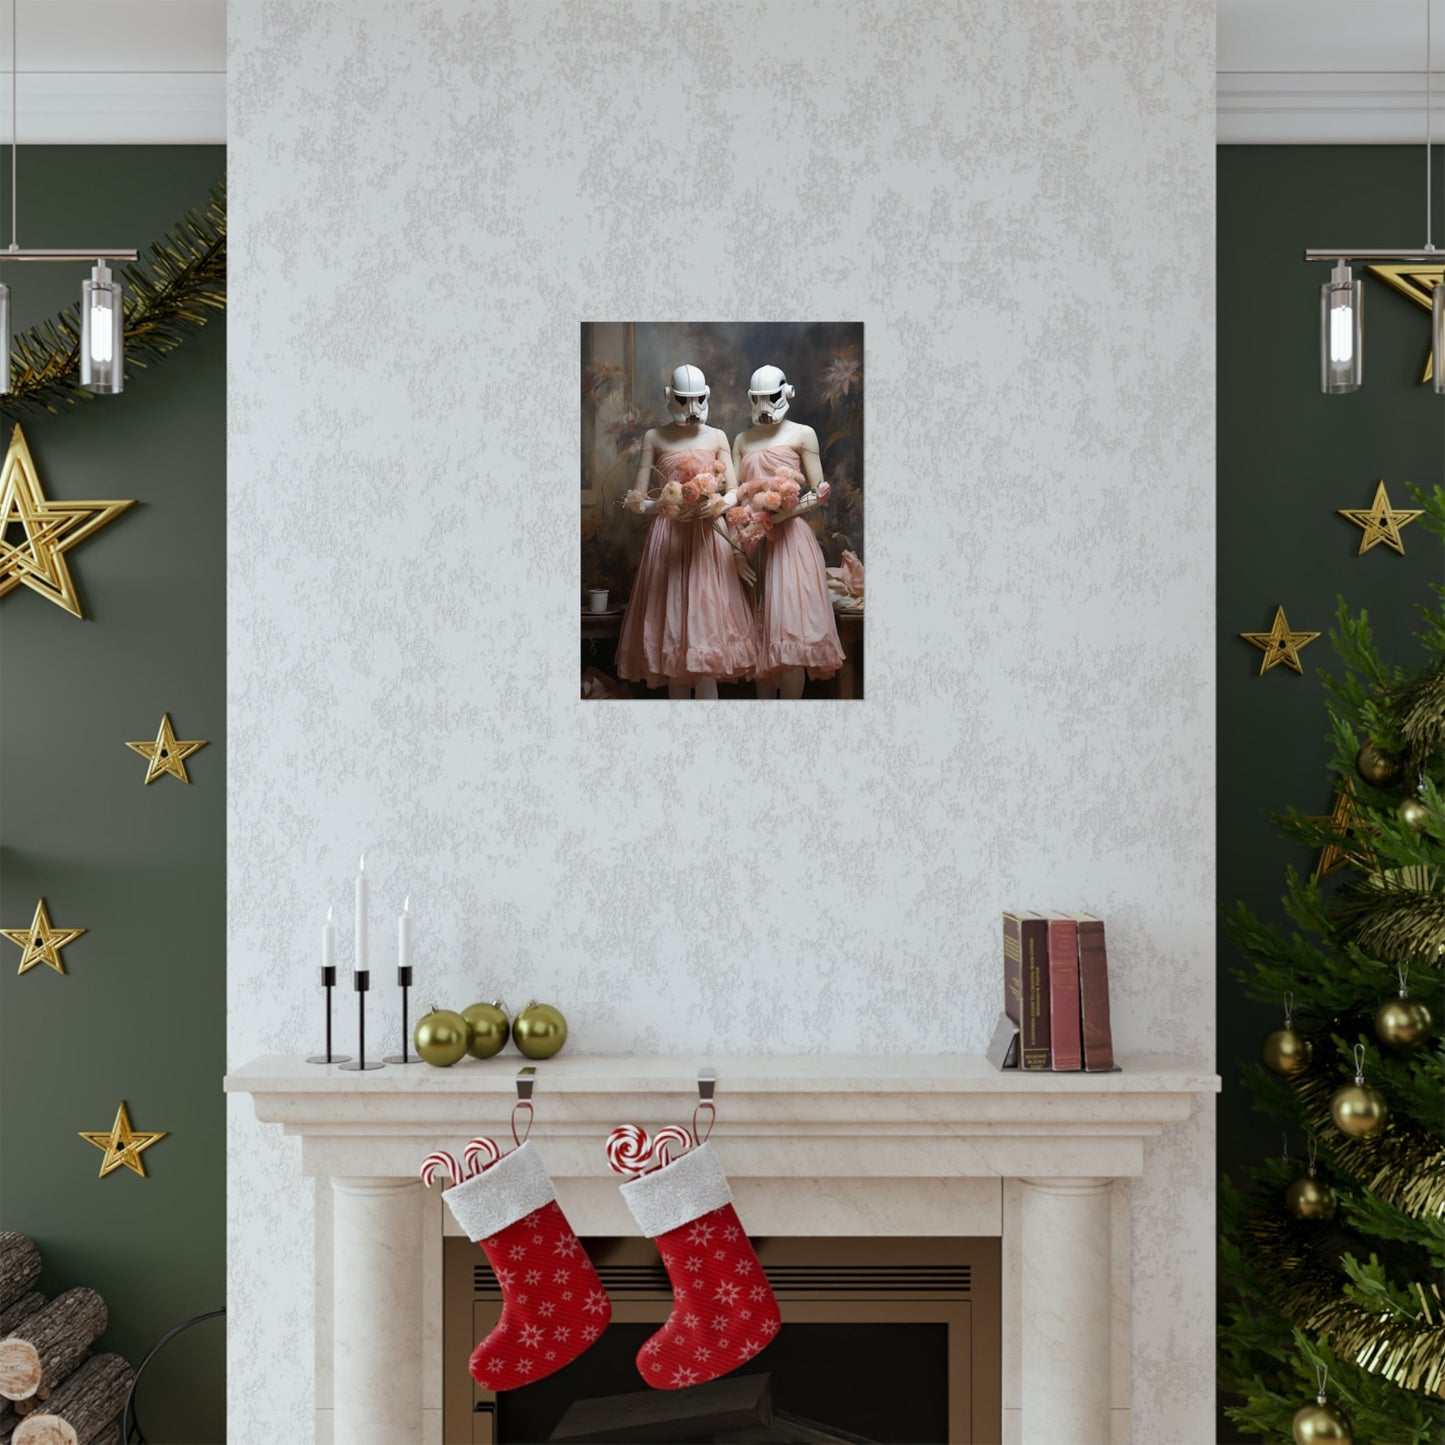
x=936 y=1144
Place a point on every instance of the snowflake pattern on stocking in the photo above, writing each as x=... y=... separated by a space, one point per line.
x=541 y=1329
x=708 y=1332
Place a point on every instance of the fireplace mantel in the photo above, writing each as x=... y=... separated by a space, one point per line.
x=934 y=1144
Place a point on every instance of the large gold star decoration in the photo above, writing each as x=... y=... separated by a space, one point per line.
x=1418 y=283
x=122 y=1144
x=1280 y=645
x=1343 y=820
x=41 y=943
x=1381 y=522
x=36 y=532
x=167 y=754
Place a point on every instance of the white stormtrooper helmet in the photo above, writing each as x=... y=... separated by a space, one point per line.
x=687 y=396
x=769 y=392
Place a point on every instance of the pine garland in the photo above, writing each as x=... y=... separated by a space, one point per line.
x=169 y=295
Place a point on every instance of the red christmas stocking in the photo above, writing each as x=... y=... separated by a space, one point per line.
x=553 y=1304
x=724 y=1311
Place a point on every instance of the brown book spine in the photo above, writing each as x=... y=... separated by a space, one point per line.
x=1064 y=1034
x=1029 y=1008
x=1094 y=997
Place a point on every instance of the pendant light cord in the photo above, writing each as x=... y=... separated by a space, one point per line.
x=14 y=134
x=1429 y=76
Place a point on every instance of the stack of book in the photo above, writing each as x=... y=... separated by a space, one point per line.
x=1056 y=994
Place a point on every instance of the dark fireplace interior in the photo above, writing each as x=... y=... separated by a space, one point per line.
x=886 y=1340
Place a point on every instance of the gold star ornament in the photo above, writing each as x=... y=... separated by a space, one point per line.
x=167 y=754
x=122 y=1144
x=1418 y=282
x=36 y=532
x=41 y=943
x=1279 y=644
x=1344 y=820
x=1381 y=522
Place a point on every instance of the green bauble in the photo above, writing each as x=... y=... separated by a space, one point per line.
x=539 y=1030
x=1310 y=1198
x=1314 y=1424
x=441 y=1037
x=489 y=1028
x=1376 y=767
x=1359 y=1111
x=1287 y=1051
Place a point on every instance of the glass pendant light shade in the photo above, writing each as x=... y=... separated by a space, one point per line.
x=1342 y=335
x=102 y=333
x=1437 y=335
x=4 y=338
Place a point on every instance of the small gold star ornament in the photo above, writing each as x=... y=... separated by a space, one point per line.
x=122 y=1144
x=167 y=754
x=1381 y=522
x=1279 y=644
x=41 y=942
x=1343 y=820
x=47 y=530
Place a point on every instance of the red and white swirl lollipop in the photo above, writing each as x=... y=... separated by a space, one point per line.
x=440 y=1160
x=628 y=1151
x=482 y=1149
x=664 y=1140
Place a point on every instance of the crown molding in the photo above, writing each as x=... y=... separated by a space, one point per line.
x=1311 y=107
x=117 y=108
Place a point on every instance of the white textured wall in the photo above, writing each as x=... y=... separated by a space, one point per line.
x=1017 y=200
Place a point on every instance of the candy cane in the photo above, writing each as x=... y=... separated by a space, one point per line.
x=441 y=1159
x=628 y=1151
x=479 y=1147
x=663 y=1140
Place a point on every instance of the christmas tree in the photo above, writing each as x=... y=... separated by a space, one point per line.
x=1340 y=1270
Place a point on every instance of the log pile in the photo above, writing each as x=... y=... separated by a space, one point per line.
x=53 y=1391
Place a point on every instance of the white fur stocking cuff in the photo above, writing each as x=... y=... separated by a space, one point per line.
x=510 y=1190
x=673 y=1196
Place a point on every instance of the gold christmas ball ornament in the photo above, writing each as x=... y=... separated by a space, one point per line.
x=1286 y=1051
x=1359 y=1111
x=1403 y=1022
x=441 y=1038
x=1310 y=1198
x=1375 y=766
x=1413 y=813
x=1316 y=1423
x=489 y=1027
x=539 y=1030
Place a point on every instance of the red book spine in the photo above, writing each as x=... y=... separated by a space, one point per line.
x=1027 y=935
x=1064 y=1018
x=1094 y=996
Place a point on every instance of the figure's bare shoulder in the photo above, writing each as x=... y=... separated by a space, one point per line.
x=805 y=439
x=649 y=438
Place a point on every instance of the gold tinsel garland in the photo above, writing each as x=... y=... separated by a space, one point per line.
x=1409 y=1353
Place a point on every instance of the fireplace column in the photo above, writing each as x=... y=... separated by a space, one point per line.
x=376 y=1311
x=1064 y=1236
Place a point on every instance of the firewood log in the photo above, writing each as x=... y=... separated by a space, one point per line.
x=19 y=1266
x=49 y=1344
x=81 y=1407
x=20 y=1311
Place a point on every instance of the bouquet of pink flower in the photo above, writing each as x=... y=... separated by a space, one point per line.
x=693 y=491
x=765 y=501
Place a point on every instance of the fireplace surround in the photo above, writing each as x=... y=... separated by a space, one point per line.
x=814 y=1145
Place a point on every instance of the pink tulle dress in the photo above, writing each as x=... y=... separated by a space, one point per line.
x=689 y=616
x=796 y=627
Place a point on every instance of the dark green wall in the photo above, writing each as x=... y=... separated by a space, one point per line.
x=1288 y=457
x=140 y=1014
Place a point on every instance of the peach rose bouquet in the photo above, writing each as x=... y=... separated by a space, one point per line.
x=693 y=491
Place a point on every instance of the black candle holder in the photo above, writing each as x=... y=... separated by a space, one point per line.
x=362 y=980
x=403 y=979
x=328 y=982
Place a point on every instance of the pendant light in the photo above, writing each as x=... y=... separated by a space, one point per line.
x=102 y=308
x=1342 y=297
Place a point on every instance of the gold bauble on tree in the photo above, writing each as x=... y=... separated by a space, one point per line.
x=1403 y=1022
x=1413 y=813
x=1286 y=1051
x=1375 y=766
x=489 y=1027
x=539 y=1030
x=441 y=1038
x=1310 y=1198
x=1317 y=1423
x=1357 y=1109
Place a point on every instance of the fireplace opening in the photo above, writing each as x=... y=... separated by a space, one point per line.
x=885 y=1340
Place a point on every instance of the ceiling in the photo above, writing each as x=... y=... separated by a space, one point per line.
x=1318 y=71
x=1289 y=71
